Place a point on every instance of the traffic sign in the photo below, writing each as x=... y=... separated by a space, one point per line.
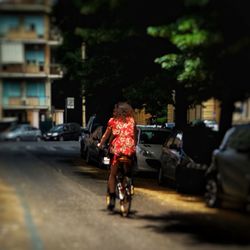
x=70 y=102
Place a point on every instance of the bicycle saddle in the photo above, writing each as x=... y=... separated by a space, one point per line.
x=124 y=159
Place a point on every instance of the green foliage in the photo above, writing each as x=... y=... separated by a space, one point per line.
x=169 y=61
x=186 y=33
x=101 y=35
x=91 y=7
x=193 y=71
x=196 y=2
x=211 y=50
x=120 y=56
x=153 y=93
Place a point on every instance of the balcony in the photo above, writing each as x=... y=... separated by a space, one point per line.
x=26 y=102
x=55 y=71
x=31 y=70
x=22 y=34
x=55 y=37
x=26 y=5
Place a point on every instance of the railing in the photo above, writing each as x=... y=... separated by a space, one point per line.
x=26 y=101
x=21 y=33
x=28 y=5
x=55 y=36
x=53 y=69
x=41 y=2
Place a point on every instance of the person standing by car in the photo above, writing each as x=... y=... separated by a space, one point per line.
x=121 y=129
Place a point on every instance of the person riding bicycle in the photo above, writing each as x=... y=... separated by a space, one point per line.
x=121 y=129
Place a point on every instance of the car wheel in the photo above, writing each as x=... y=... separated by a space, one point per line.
x=181 y=185
x=18 y=138
x=161 y=178
x=38 y=138
x=88 y=158
x=212 y=191
x=83 y=152
x=61 y=138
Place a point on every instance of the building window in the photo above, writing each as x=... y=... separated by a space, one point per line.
x=7 y=23
x=35 y=90
x=35 y=57
x=34 y=23
x=11 y=89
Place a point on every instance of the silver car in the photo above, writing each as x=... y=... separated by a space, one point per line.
x=23 y=132
x=149 y=147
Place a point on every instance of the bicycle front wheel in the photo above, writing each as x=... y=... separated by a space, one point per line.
x=125 y=206
x=125 y=203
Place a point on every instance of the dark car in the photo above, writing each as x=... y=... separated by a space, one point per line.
x=92 y=153
x=22 y=132
x=92 y=125
x=179 y=168
x=64 y=132
x=228 y=176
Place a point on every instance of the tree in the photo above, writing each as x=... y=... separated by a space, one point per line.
x=119 y=63
x=208 y=57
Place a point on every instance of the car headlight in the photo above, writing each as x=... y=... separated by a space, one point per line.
x=10 y=135
x=54 y=134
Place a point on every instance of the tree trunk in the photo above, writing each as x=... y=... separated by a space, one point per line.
x=181 y=107
x=227 y=109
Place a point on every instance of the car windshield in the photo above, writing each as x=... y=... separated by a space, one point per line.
x=57 y=128
x=240 y=139
x=12 y=129
x=153 y=136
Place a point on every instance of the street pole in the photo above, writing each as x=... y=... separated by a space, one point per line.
x=66 y=110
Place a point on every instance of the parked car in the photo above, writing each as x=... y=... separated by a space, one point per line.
x=228 y=176
x=179 y=168
x=92 y=125
x=64 y=132
x=149 y=147
x=211 y=124
x=22 y=132
x=89 y=148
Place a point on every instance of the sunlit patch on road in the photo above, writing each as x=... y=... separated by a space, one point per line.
x=12 y=219
x=11 y=211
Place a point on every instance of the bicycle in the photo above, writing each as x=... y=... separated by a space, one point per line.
x=124 y=185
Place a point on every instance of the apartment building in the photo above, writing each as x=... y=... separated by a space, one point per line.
x=27 y=64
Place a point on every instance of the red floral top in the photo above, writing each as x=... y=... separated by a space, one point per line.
x=124 y=137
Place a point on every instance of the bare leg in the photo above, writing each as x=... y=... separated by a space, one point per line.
x=112 y=176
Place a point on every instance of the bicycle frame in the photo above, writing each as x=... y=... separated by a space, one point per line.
x=124 y=185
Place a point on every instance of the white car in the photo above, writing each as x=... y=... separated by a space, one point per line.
x=149 y=147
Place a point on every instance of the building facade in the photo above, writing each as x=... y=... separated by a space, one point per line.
x=27 y=65
x=208 y=110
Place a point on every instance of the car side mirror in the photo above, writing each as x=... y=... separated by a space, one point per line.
x=86 y=131
x=65 y=129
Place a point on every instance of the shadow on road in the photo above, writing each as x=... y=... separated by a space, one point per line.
x=218 y=228
x=215 y=226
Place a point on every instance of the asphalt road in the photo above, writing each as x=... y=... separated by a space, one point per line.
x=51 y=199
